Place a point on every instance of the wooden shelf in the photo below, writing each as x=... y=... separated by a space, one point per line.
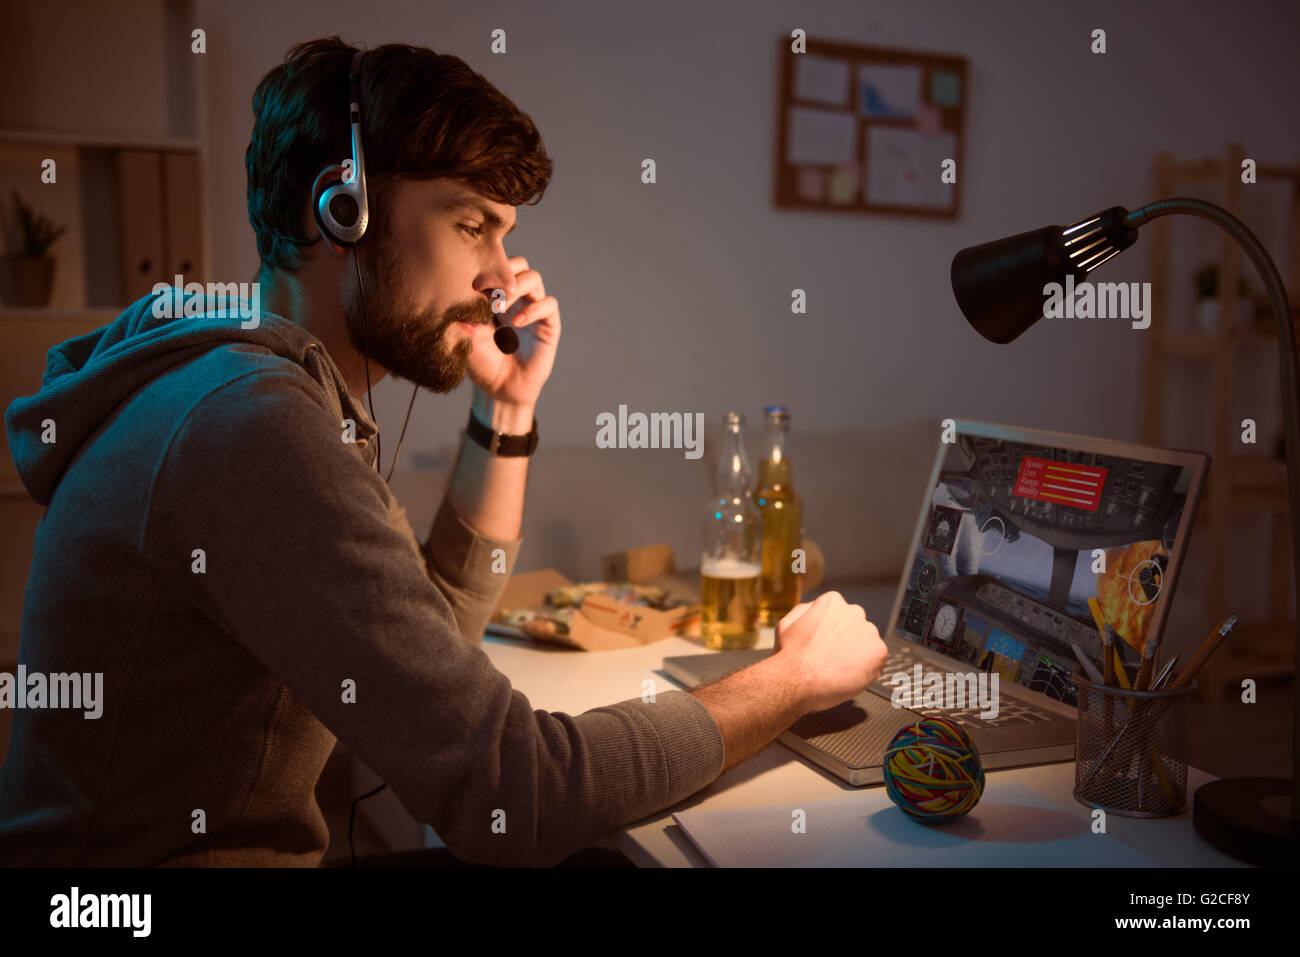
x=1256 y=482
x=1263 y=649
x=1237 y=482
x=1201 y=344
x=104 y=313
x=23 y=137
x=1214 y=169
x=1258 y=472
x=1253 y=475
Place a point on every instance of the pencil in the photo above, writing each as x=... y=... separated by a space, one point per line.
x=1121 y=673
x=1208 y=647
x=1107 y=663
x=1089 y=668
x=1148 y=662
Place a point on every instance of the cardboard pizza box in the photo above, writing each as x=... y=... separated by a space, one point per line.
x=603 y=623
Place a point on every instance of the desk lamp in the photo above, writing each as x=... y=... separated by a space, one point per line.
x=999 y=288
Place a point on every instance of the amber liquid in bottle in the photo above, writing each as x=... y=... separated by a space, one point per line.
x=782 y=514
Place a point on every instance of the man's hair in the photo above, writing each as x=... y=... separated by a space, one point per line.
x=423 y=115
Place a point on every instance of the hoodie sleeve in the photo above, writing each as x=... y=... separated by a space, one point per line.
x=463 y=564
x=302 y=568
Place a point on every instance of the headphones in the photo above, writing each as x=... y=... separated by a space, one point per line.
x=342 y=211
x=342 y=215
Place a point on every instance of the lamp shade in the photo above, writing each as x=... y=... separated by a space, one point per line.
x=999 y=285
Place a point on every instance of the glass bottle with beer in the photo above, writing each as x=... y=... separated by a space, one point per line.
x=731 y=563
x=782 y=514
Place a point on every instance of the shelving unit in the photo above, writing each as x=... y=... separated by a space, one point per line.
x=94 y=120
x=1237 y=482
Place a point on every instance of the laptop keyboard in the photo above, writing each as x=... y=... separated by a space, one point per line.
x=1012 y=711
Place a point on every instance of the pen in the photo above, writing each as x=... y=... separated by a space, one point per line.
x=1164 y=674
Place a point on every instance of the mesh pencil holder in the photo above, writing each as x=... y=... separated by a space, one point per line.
x=1131 y=749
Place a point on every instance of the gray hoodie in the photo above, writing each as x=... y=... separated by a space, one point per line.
x=249 y=590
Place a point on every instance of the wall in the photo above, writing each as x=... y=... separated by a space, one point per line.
x=676 y=295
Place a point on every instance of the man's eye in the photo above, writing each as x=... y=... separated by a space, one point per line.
x=474 y=231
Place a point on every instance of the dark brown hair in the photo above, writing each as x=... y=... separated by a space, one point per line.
x=423 y=115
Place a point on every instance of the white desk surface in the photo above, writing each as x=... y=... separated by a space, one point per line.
x=560 y=679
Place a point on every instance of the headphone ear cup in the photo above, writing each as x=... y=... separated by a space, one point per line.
x=340 y=208
x=329 y=177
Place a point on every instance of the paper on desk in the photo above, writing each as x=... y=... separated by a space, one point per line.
x=1012 y=826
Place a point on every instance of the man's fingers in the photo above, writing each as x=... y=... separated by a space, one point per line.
x=814 y=610
x=534 y=311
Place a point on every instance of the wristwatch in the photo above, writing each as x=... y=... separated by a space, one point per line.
x=498 y=443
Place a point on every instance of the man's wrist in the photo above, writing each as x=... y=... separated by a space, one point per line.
x=506 y=418
x=783 y=670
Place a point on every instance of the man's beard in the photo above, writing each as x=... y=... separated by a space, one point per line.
x=410 y=344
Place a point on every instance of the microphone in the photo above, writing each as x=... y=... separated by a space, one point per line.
x=505 y=337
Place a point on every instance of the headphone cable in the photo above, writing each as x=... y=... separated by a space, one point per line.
x=365 y=334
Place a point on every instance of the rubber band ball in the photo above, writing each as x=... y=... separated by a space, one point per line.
x=933 y=770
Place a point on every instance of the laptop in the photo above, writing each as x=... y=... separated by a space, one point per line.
x=1017 y=529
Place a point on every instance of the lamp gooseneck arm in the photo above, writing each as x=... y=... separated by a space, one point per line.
x=1277 y=298
x=1253 y=248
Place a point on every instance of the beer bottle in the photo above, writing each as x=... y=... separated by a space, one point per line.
x=782 y=522
x=731 y=561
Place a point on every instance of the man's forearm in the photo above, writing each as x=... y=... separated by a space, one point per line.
x=486 y=490
x=753 y=706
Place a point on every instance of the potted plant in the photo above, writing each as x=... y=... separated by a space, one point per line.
x=27 y=277
x=1207 y=295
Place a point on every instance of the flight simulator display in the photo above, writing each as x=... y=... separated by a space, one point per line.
x=1019 y=537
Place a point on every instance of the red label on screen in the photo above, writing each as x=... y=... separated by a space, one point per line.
x=1078 y=486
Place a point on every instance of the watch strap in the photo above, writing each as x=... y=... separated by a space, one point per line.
x=499 y=443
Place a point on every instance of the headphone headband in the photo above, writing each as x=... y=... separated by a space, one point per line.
x=354 y=76
x=341 y=206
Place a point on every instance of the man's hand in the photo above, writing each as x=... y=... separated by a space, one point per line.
x=828 y=653
x=517 y=380
x=832 y=648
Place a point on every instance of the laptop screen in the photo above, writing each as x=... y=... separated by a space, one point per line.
x=1020 y=528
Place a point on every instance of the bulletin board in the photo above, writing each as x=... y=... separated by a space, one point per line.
x=867 y=129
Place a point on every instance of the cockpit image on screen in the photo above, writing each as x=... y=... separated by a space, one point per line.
x=1020 y=536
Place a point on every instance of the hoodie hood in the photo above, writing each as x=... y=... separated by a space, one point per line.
x=88 y=377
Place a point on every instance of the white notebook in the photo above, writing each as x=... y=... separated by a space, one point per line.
x=1012 y=826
